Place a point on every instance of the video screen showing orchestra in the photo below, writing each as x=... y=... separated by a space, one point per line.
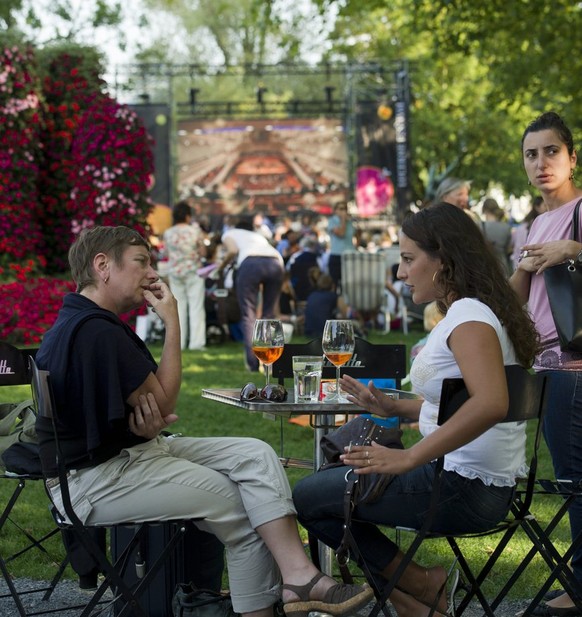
x=275 y=167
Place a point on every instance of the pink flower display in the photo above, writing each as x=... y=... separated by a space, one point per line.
x=113 y=161
x=70 y=157
x=20 y=152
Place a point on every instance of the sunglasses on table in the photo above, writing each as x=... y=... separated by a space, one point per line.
x=274 y=393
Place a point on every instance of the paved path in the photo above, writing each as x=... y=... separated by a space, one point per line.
x=67 y=593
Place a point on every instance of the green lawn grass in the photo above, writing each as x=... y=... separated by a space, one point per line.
x=222 y=366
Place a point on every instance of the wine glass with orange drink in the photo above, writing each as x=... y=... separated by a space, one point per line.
x=268 y=342
x=338 y=346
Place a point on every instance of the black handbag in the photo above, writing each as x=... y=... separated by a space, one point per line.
x=189 y=601
x=360 y=489
x=361 y=431
x=564 y=289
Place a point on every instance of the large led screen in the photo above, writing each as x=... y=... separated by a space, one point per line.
x=270 y=166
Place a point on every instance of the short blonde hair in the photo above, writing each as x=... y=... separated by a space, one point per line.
x=431 y=316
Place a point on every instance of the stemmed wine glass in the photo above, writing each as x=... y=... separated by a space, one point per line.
x=268 y=342
x=338 y=346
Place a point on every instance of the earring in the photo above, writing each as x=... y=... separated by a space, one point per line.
x=434 y=277
x=571 y=174
x=106 y=279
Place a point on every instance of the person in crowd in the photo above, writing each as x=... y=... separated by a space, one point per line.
x=498 y=232
x=289 y=244
x=550 y=159
x=323 y=303
x=185 y=249
x=341 y=236
x=111 y=422
x=456 y=191
x=431 y=317
x=444 y=258
x=521 y=231
x=259 y=268
x=300 y=264
x=263 y=225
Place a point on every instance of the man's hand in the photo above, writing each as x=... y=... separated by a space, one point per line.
x=146 y=420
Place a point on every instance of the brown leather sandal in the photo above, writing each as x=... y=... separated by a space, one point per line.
x=338 y=600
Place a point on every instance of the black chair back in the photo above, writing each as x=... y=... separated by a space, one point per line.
x=526 y=395
x=368 y=362
x=14 y=369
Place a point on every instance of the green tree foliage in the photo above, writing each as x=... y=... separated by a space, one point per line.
x=479 y=73
x=244 y=32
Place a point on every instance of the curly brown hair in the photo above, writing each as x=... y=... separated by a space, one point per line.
x=471 y=270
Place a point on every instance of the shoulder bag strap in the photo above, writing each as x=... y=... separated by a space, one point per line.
x=575 y=220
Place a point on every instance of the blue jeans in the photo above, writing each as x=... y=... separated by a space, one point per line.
x=464 y=506
x=563 y=434
x=253 y=273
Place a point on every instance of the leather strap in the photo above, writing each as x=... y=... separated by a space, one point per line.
x=575 y=219
x=343 y=552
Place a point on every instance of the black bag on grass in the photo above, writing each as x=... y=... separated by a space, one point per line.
x=189 y=601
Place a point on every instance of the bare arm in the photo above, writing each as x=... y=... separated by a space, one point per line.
x=340 y=230
x=164 y=384
x=231 y=253
x=484 y=377
x=520 y=281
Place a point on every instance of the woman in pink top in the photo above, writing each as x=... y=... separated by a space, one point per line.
x=549 y=159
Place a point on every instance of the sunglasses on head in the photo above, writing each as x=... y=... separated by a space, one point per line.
x=274 y=393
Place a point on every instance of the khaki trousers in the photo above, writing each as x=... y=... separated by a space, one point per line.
x=235 y=484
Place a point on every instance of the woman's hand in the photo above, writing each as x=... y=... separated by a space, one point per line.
x=146 y=420
x=368 y=397
x=377 y=459
x=538 y=257
x=162 y=301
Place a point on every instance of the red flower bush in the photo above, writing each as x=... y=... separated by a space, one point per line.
x=71 y=77
x=70 y=157
x=20 y=149
x=29 y=308
x=113 y=162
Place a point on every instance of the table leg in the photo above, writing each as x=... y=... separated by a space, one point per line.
x=325 y=423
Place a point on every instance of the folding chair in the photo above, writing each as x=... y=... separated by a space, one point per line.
x=542 y=543
x=368 y=361
x=126 y=598
x=363 y=282
x=15 y=372
x=526 y=402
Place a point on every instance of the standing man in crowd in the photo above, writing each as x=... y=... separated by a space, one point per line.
x=341 y=234
x=259 y=266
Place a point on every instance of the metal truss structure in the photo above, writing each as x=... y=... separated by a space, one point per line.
x=354 y=93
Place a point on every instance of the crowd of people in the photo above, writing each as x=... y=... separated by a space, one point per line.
x=460 y=265
x=304 y=255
